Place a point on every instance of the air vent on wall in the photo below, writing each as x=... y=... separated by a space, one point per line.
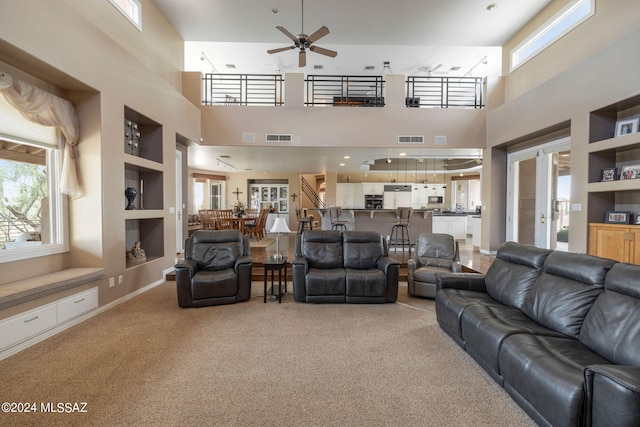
x=279 y=137
x=410 y=139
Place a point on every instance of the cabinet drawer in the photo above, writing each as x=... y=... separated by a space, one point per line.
x=76 y=305
x=23 y=326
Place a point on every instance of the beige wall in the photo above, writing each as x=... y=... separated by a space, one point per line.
x=340 y=127
x=613 y=20
x=103 y=64
x=606 y=77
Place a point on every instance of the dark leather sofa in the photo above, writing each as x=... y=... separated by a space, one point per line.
x=559 y=331
x=216 y=269
x=351 y=267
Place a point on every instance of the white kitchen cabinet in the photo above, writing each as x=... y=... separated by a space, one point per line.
x=449 y=224
x=350 y=196
x=372 y=188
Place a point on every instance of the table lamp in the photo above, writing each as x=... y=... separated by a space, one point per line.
x=280 y=226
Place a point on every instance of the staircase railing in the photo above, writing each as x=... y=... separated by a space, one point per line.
x=310 y=192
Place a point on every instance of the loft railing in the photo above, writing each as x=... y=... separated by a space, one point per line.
x=444 y=92
x=345 y=91
x=242 y=89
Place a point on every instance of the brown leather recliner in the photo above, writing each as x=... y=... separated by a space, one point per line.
x=216 y=269
x=435 y=253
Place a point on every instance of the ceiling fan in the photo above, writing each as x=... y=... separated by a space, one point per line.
x=303 y=42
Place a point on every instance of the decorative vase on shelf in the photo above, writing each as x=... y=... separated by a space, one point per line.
x=130 y=193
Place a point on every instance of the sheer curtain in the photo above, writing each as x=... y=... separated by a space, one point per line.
x=44 y=108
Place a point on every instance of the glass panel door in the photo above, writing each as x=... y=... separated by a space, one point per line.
x=539 y=195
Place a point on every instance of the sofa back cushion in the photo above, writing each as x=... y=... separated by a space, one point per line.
x=322 y=248
x=215 y=249
x=513 y=272
x=437 y=249
x=612 y=327
x=566 y=290
x=362 y=249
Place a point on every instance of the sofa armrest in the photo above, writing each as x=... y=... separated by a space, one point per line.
x=299 y=268
x=464 y=281
x=384 y=263
x=188 y=266
x=185 y=270
x=613 y=395
x=244 y=259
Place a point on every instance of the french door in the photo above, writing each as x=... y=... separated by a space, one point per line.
x=538 y=202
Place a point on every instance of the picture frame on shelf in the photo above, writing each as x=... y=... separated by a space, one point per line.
x=609 y=174
x=627 y=126
x=617 y=217
x=630 y=172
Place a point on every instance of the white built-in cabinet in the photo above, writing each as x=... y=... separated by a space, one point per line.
x=450 y=224
x=350 y=196
x=28 y=324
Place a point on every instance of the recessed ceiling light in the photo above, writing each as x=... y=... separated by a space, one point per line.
x=225 y=157
x=403 y=154
x=492 y=6
x=230 y=65
x=275 y=11
x=369 y=67
x=347 y=157
x=455 y=68
x=318 y=67
x=342 y=164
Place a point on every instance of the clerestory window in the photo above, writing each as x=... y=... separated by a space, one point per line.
x=572 y=15
x=131 y=9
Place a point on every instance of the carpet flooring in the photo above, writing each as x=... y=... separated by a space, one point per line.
x=147 y=362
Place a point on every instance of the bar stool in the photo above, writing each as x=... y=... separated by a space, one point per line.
x=402 y=225
x=334 y=216
x=303 y=221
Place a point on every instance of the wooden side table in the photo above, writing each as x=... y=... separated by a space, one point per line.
x=274 y=265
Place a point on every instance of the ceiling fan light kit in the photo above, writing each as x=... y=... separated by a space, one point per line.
x=304 y=42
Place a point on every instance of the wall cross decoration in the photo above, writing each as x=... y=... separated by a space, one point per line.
x=293 y=196
x=237 y=193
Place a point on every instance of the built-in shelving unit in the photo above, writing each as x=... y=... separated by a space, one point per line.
x=143 y=171
x=607 y=151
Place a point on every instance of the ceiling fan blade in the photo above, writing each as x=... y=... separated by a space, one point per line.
x=323 y=51
x=287 y=33
x=321 y=32
x=302 y=58
x=281 y=49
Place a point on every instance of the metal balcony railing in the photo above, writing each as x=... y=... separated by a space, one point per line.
x=345 y=91
x=444 y=92
x=242 y=89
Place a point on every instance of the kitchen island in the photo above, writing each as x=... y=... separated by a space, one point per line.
x=380 y=220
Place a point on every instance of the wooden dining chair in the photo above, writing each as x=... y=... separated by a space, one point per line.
x=224 y=219
x=257 y=227
x=206 y=220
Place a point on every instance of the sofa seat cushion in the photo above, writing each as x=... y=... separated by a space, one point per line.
x=214 y=284
x=451 y=303
x=485 y=327
x=427 y=274
x=366 y=283
x=548 y=372
x=321 y=281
